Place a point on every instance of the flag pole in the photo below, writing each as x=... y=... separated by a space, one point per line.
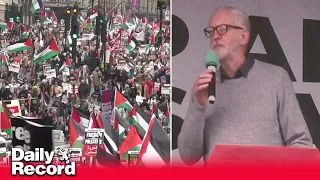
x=104 y=30
x=29 y=102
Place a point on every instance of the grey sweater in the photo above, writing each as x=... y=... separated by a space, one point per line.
x=260 y=109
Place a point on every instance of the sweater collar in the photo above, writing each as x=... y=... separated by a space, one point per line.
x=242 y=72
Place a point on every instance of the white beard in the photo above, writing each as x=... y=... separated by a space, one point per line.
x=222 y=52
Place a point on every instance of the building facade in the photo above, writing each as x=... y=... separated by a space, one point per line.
x=3 y=7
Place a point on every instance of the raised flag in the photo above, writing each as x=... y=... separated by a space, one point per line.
x=20 y=46
x=5 y=124
x=50 y=51
x=8 y=25
x=148 y=156
x=80 y=116
x=132 y=43
x=76 y=132
x=121 y=102
x=117 y=127
x=131 y=143
x=160 y=140
x=35 y=5
x=93 y=122
x=166 y=116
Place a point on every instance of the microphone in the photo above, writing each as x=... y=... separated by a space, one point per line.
x=212 y=63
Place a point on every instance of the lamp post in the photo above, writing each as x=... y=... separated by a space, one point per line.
x=161 y=5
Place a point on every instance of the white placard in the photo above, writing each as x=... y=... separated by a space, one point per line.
x=14 y=67
x=139 y=99
x=57 y=136
x=46 y=68
x=165 y=89
x=51 y=74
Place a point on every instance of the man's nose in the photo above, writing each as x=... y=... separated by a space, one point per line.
x=215 y=35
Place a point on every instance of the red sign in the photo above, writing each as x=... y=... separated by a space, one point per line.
x=14 y=109
x=89 y=150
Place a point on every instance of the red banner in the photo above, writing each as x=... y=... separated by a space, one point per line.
x=237 y=172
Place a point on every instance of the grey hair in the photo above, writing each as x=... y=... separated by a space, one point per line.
x=239 y=17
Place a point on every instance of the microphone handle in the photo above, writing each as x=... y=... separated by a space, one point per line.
x=212 y=86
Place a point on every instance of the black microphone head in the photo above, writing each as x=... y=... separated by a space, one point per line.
x=211 y=59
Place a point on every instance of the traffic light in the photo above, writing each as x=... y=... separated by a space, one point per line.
x=74 y=32
x=94 y=11
x=75 y=9
x=68 y=11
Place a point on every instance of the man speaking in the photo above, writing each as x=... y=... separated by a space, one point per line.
x=253 y=102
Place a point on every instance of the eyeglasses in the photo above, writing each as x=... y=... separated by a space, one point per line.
x=221 y=29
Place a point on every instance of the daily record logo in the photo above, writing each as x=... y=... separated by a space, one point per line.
x=21 y=158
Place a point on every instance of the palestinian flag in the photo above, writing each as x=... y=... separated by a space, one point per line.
x=76 y=131
x=166 y=116
x=123 y=122
x=159 y=139
x=124 y=24
x=66 y=64
x=80 y=116
x=50 y=51
x=108 y=127
x=93 y=122
x=35 y=5
x=5 y=124
x=132 y=43
x=105 y=158
x=155 y=110
x=25 y=32
x=90 y=20
x=3 y=60
x=137 y=22
x=20 y=46
x=44 y=17
x=88 y=23
x=99 y=120
x=54 y=18
x=117 y=127
x=109 y=145
x=148 y=156
x=8 y=25
x=121 y=102
x=131 y=143
x=93 y=17
x=135 y=119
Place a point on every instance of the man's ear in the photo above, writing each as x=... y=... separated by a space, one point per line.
x=245 y=37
